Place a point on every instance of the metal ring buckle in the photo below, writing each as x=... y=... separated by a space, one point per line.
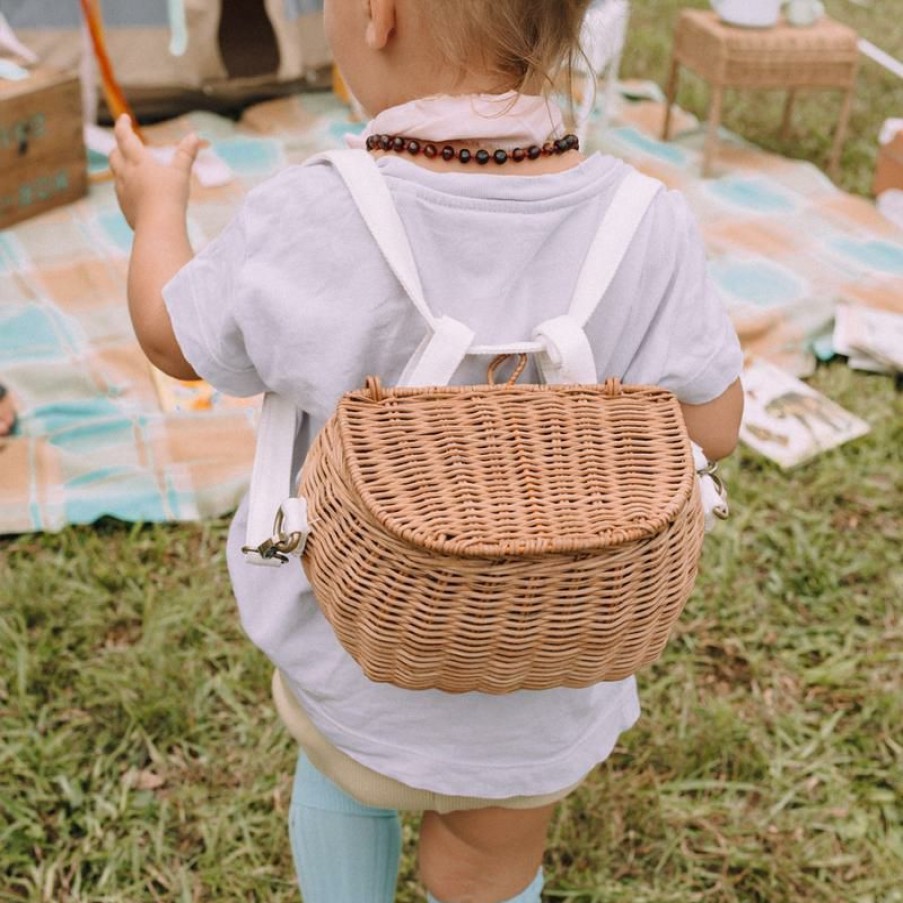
x=721 y=512
x=280 y=544
x=284 y=542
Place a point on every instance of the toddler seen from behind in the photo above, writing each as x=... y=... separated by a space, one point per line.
x=294 y=296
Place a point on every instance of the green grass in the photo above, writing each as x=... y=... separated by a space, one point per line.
x=140 y=758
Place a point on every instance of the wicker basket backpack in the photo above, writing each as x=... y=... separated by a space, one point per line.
x=498 y=537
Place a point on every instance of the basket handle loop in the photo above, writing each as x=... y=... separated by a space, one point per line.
x=374 y=388
x=497 y=361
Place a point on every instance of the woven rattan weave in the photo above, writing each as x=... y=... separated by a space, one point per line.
x=786 y=57
x=495 y=538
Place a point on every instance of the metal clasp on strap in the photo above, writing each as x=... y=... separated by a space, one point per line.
x=290 y=532
x=720 y=511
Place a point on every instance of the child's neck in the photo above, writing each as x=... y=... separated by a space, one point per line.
x=417 y=82
x=445 y=132
x=407 y=66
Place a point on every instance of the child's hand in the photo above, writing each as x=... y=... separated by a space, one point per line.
x=145 y=186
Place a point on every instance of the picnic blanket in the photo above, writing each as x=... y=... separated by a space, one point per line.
x=102 y=433
x=785 y=244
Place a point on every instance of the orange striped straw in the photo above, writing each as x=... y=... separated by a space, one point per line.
x=116 y=100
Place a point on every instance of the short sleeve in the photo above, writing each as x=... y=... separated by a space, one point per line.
x=203 y=300
x=690 y=346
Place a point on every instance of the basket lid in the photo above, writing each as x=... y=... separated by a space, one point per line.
x=518 y=470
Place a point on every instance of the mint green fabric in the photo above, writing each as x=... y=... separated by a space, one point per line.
x=344 y=852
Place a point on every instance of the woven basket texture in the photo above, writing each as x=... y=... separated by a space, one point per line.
x=824 y=55
x=496 y=538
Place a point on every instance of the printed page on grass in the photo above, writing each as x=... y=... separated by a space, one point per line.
x=871 y=339
x=787 y=420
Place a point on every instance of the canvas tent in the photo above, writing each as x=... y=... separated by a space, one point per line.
x=234 y=50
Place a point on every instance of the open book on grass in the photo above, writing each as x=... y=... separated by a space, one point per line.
x=787 y=420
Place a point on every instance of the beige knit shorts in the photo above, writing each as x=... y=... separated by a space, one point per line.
x=374 y=789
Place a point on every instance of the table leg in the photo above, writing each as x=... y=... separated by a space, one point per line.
x=840 y=134
x=670 y=97
x=788 y=113
x=711 y=137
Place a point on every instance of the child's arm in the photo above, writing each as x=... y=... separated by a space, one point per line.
x=715 y=425
x=154 y=198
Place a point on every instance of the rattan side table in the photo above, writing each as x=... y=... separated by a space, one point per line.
x=823 y=55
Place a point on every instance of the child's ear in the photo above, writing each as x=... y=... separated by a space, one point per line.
x=380 y=23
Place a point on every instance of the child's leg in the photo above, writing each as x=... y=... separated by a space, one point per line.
x=344 y=852
x=484 y=855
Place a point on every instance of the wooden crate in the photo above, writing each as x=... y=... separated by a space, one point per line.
x=43 y=161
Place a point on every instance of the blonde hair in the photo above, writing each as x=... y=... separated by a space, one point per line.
x=528 y=44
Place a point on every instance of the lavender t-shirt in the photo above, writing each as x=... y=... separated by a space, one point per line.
x=294 y=297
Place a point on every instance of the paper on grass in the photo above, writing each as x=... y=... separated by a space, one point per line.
x=872 y=339
x=787 y=420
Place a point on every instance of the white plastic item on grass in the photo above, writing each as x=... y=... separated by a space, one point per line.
x=178 y=27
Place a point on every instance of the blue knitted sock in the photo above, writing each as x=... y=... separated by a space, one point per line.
x=530 y=894
x=344 y=852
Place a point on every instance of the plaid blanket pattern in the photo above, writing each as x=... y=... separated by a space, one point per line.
x=102 y=434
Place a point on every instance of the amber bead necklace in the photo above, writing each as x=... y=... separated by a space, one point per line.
x=413 y=146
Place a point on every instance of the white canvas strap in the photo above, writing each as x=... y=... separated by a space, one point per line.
x=447 y=341
x=371 y=195
x=563 y=351
x=611 y=242
x=567 y=356
x=277 y=519
x=439 y=355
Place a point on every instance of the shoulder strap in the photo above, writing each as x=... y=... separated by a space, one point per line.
x=444 y=348
x=371 y=195
x=613 y=238
x=277 y=522
x=274 y=514
x=567 y=356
